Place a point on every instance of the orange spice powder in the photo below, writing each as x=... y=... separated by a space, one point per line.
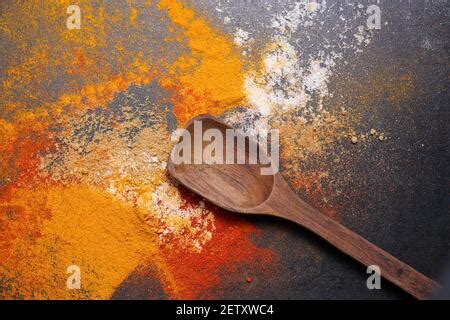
x=75 y=225
x=200 y=275
x=209 y=79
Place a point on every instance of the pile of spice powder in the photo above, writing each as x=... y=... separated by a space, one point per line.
x=209 y=79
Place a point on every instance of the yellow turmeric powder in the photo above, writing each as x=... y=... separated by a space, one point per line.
x=75 y=225
x=209 y=79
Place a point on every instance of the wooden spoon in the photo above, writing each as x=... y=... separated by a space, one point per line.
x=241 y=188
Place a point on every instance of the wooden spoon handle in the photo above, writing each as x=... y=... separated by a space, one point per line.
x=357 y=247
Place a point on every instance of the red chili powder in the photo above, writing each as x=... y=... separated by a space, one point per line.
x=229 y=250
x=22 y=160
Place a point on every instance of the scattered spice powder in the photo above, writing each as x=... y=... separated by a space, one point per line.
x=199 y=276
x=209 y=79
x=73 y=225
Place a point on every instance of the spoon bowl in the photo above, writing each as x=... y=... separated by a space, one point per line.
x=245 y=187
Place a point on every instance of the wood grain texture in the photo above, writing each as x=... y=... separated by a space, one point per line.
x=241 y=188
